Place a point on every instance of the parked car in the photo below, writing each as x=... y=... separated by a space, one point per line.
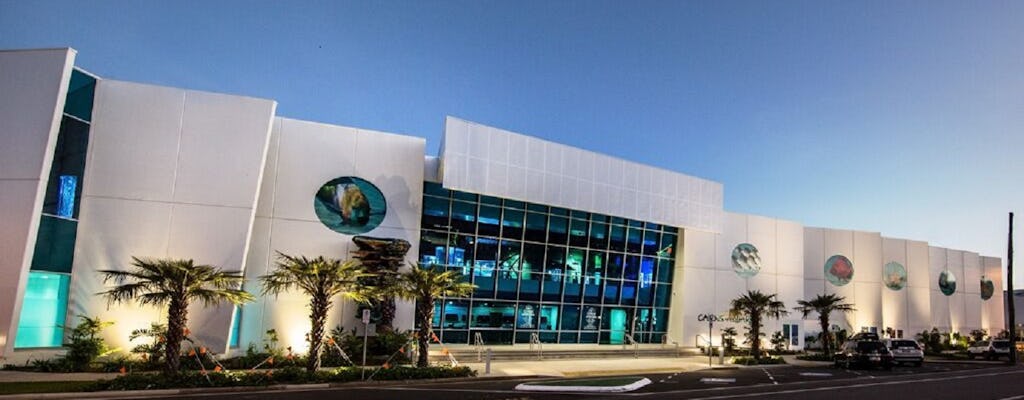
x=990 y=349
x=863 y=353
x=905 y=351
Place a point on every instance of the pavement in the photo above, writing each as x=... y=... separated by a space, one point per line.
x=548 y=367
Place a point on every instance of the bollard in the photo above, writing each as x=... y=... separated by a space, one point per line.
x=487 y=362
x=721 y=355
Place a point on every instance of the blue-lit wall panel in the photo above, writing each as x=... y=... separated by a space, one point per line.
x=43 y=311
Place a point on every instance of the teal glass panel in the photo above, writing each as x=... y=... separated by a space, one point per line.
x=536 y=227
x=489 y=221
x=68 y=161
x=80 y=94
x=512 y=224
x=43 y=311
x=55 y=244
x=435 y=189
x=236 y=325
x=435 y=212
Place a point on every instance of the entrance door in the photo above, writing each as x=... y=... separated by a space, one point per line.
x=617 y=325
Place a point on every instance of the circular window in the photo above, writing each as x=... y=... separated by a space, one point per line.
x=746 y=261
x=947 y=283
x=350 y=205
x=894 y=276
x=838 y=270
x=987 y=288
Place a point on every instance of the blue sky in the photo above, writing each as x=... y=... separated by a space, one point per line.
x=904 y=117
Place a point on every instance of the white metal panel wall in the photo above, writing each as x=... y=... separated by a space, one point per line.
x=939 y=301
x=303 y=156
x=33 y=86
x=918 y=287
x=972 y=292
x=481 y=159
x=170 y=173
x=957 y=306
x=993 y=316
x=894 y=302
x=706 y=282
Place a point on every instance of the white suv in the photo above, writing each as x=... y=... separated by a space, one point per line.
x=905 y=351
x=990 y=349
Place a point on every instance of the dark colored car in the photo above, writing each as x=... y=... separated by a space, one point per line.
x=864 y=353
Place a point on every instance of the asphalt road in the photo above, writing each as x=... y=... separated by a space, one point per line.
x=974 y=381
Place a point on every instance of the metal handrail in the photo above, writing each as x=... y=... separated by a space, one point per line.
x=478 y=341
x=636 y=345
x=535 y=339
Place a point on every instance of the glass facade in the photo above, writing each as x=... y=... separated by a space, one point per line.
x=566 y=275
x=44 y=309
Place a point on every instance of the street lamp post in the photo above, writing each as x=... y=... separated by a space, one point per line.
x=711 y=318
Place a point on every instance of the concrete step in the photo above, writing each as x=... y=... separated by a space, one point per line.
x=524 y=353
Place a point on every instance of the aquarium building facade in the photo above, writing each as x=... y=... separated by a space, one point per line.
x=565 y=245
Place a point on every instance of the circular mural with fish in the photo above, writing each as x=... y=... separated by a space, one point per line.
x=894 y=276
x=987 y=288
x=350 y=205
x=947 y=283
x=746 y=261
x=838 y=270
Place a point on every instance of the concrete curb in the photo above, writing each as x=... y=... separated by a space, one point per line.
x=585 y=389
x=244 y=389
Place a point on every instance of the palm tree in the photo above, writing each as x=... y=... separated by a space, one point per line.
x=824 y=305
x=174 y=283
x=755 y=306
x=321 y=279
x=426 y=285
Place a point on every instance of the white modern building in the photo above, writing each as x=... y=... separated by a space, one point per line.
x=568 y=244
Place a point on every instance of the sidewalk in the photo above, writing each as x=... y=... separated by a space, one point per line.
x=591 y=367
x=550 y=367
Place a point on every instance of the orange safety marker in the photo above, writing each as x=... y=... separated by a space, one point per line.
x=386 y=365
x=123 y=370
x=217 y=369
x=202 y=350
x=192 y=353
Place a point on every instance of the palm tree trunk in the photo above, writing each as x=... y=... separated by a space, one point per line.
x=177 y=318
x=319 y=306
x=425 y=311
x=826 y=337
x=755 y=333
x=387 y=314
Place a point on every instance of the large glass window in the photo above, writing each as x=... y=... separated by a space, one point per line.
x=43 y=311
x=566 y=275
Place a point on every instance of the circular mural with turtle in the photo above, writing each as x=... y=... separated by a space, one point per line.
x=894 y=276
x=350 y=205
x=746 y=261
x=838 y=270
x=947 y=283
x=987 y=288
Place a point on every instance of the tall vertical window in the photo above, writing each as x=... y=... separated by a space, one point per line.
x=43 y=311
x=44 y=306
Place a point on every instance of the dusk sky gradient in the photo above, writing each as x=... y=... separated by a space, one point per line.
x=900 y=117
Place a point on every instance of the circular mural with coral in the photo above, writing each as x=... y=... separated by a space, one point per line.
x=746 y=261
x=947 y=283
x=894 y=276
x=987 y=288
x=838 y=270
x=350 y=205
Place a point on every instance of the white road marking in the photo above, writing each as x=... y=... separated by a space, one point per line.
x=844 y=387
x=718 y=380
x=815 y=374
x=769 y=376
x=1012 y=398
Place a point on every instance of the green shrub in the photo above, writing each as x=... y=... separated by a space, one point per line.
x=814 y=357
x=763 y=361
x=287 y=375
